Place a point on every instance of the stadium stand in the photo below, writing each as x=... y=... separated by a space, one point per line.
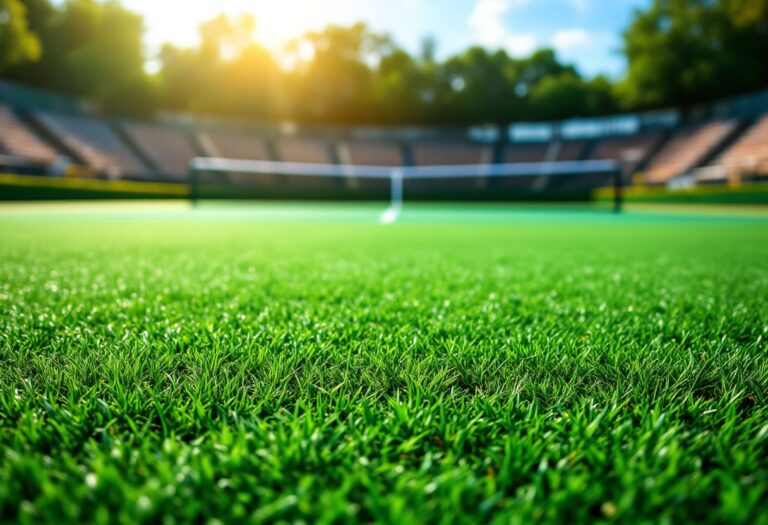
x=299 y=150
x=687 y=148
x=570 y=150
x=309 y=151
x=445 y=153
x=370 y=154
x=19 y=142
x=748 y=155
x=234 y=145
x=168 y=149
x=449 y=152
x=46 y=133
x=632 y=149
x=95 y=143
x=535 y=152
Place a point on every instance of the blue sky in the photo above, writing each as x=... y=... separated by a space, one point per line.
x=586 y=32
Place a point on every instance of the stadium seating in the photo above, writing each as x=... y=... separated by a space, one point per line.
x=570 y=150
x=95 y=143
x=632 y=149
x=535 y=152
x=20 y=142
x=167 y=148
x=749 y=153
x=308 y=151
x=234 y=145
x=449 y=152
x=445 y=153
x=687 y=149
x=371 y=154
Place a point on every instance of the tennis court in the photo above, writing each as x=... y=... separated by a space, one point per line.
x=370 y=212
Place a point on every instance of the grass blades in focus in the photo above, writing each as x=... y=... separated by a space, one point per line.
x=240 y=371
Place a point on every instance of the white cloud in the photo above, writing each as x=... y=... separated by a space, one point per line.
x=520 y=45
x=568 y=38
x=594 y=51
x=488 y=29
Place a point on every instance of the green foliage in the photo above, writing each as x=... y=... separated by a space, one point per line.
x=402 y=89
x=17 y=42
x=159 y=371
x=91 y=49
x=568 y=94
x=685 y=51
x=561 y=95
x=227 y=74
x=679 y=52
x=337 y=83
x=470 y=86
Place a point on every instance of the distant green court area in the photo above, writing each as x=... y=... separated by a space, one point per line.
x=302 y=363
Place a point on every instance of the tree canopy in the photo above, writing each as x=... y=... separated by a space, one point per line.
x=90 y=49
x=681 y=52
x=678 y=52
x=17 y=42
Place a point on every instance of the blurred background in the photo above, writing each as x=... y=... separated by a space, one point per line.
x=113 y=99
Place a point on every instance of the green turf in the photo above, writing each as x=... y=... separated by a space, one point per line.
x=213 y=371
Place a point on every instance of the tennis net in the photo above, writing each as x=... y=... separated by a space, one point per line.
x=220 y=178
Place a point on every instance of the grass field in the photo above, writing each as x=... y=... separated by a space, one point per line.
x=498 y=366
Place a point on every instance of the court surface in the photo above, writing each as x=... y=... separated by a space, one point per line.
x=370 y=212
x=288 y=363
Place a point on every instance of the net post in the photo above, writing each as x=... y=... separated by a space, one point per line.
x=618 y=190
x=193 y=183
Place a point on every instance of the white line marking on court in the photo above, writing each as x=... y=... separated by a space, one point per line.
x=390 y=215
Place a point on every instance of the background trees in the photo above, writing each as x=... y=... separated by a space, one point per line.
x=679 y=52
x=90 y=49
x=685 y=51
x=227 y=74
x=17 y=42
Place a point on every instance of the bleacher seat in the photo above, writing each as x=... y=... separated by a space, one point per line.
x=749 y=154
x=234 y=145
x=19 y=141
x=307 y=151
x=95 y=143
x=520 y=153
x=445 y=153
x=570 y=150
x=449 y=153
x=371 y=154
x=167 y=148
x=632 y=149
x=687 y=149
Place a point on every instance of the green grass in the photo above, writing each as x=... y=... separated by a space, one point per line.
x=173 y=371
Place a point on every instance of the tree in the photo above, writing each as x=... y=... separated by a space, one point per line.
x=17 y=42
x=338 y=75
x=227 y=74
x=402 y=91
x=555 y=96
x=687 y=51
x=90 y=49
x=478 y=85
x=336 y=85
x=540 y=65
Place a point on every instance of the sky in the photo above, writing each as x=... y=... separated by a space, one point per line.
x=584 y=32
